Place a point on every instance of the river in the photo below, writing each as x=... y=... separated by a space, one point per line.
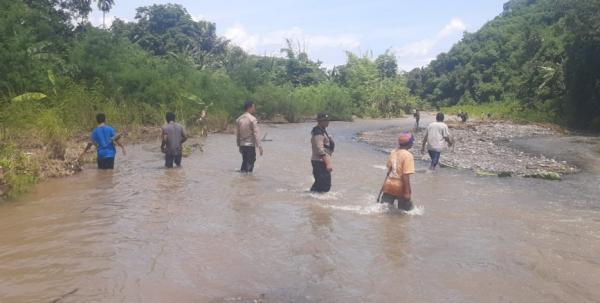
x=205 y=233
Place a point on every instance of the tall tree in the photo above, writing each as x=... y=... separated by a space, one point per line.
x=105 y=6
x=387 y=65
x=169 y=28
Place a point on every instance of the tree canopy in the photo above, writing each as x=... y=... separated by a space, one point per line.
x=537 y=52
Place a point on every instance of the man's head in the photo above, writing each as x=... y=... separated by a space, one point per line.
x=406 y=140
x=100 y=118
x=323 y=119
x=439 y=117
x=170 y=117
x=249 y=107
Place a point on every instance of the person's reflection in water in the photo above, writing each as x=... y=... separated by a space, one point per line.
x=320 y=219
x=244 y=203
x=105 y=180
x=395 y=241
x=319 y=245
x=171 y=183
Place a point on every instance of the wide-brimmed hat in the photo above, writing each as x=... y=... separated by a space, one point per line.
x=322 y=117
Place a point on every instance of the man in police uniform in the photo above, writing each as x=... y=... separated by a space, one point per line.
x=322 y=148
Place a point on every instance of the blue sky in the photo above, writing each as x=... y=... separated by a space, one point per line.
x=415 y=31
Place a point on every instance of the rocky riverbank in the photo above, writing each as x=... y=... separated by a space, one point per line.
x=485 y=147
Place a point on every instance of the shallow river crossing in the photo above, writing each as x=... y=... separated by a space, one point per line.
x=205 y=233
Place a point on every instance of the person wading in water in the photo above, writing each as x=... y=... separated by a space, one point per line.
x=417 y=116
x=322 y=148
x=248 y=139
x=436 y=137
x=173 y=136
x=400 y=165
x=104 y=138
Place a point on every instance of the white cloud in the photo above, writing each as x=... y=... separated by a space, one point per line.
x=420 y=53
x=199 y=17
x=455 y=26
x=272 y=42
x=238 y=35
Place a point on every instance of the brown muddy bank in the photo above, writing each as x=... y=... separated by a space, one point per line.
x=44 y=162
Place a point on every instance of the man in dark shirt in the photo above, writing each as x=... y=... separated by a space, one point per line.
x=173 y=136
x=322 y=148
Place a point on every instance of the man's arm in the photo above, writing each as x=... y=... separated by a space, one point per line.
x=184 y=135
x=118 y=142
x=406 y=186
x=449 y=140
x=237 y=134
x=256 y=134
x=320 y=144
x=447 y=137
x=85 y=150
x=163 y=143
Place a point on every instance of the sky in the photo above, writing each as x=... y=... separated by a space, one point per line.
x=415 y=31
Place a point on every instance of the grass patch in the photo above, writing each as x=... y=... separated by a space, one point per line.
x=18 y=172
x=507 y=110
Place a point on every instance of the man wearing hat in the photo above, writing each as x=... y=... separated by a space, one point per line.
x=248 y=139
x=401 y=165
x=322 y=148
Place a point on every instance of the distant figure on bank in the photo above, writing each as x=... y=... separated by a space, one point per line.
x=463 y=116
x=201 y=121
x=173 y=136
x=436 y=137
x=104 y=138
x=248 y=139
x=417 y=116
x=322 y=148
x=401 y=165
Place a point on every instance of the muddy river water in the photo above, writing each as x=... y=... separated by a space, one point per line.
x=205 y=233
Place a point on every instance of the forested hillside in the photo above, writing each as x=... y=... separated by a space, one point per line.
x=541 y=58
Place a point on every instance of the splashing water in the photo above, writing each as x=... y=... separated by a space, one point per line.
x=379 y=208
x=416 y=211
x=370 y=209
x=328 y=196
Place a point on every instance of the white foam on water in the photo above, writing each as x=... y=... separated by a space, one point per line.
x=373 y=208
x=416 y=211
x=382 y=167
x=377 y=208
x=328 y=196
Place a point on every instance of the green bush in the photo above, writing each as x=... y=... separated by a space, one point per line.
x=19 y=172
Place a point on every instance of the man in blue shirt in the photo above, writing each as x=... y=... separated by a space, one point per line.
x=104 y=138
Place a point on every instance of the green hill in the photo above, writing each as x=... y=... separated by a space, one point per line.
x=542 y=55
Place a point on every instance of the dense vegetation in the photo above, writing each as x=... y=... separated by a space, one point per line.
x=57 y=71
x=165 y=60
x=539 y=58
